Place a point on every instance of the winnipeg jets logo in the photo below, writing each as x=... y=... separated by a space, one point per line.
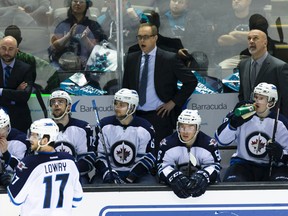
x=255 y=144
x=123 y=153
x=21 y=166
x=65 y=147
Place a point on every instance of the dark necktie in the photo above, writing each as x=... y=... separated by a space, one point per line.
x=7 y=74
x=253 y=74
x=143 y=82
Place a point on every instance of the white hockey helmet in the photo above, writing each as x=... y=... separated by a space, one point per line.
x=188 y=116
x=128 y=96
x=268 y=90
x=60 y=94
x=45 y=126
x=4 y=119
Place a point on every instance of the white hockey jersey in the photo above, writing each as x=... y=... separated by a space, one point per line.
x=252 y=136
x=46 y=184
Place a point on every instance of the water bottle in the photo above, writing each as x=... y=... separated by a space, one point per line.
x=244 y=110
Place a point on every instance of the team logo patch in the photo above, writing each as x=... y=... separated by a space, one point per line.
x=65 y=147
x=123 y=153
x=255 y=144
x=21 y=166
x=213 y=142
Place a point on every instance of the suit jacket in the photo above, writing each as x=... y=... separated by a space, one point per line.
x=168 y=70
x=15 y=101
x=273 y=71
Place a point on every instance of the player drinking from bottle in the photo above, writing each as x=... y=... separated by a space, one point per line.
x=188 y=159
x=262 y=148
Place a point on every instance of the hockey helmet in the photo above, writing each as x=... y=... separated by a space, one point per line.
x=268 y=90
x=189 y=117
x=45 y=126
x=60 y=94
x=4 y=119
x=126 y=95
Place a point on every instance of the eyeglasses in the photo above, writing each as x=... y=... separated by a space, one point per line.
x=78 y=2
x=144 y=37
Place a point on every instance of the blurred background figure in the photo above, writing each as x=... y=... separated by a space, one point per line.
x=184 y=21
x=131 y=17
x=231 y=29
x=37 y=9
x=75 y=37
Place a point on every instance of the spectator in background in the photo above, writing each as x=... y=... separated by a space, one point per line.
x=156 y=82
x=16 y=82
x=129 y=141
x=75 y=37
x=231 y=30
x=131 y=19
x=37 y=9
x=262 y=67
x=185 y=22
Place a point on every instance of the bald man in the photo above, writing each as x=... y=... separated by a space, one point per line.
x=16 y=80
x=267 y=69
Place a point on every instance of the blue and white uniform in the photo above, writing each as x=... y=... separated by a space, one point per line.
x=130 y=147
x=18 y=147
x=76 y=138
x=46 y=184
x=175 y=155
x=252 y=136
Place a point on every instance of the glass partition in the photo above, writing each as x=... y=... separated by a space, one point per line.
x=213 y=31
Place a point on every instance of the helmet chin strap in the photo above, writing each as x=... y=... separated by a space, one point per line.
x=190 y=142
x=126 y=115
x=66 y=112
x=266 y=111
x=40 y=146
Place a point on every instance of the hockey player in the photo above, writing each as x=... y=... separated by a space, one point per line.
x=258 y=157
x=46 y=183
x=188 y=160
x=75 y=137
x=13 y=147
x=129 y=141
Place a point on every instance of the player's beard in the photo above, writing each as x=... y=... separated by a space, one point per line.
x=58 y=113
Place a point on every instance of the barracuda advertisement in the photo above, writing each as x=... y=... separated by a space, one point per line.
x=212 y=108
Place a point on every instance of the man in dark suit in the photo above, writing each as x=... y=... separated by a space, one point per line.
x=262 y=67
x=161 y=98
x=15 y=85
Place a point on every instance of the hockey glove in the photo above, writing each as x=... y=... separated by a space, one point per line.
x=237 y=121
x=274 y=150
x=200 y=181
x=5 y=179
x=112 y=177
x=180 y=184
